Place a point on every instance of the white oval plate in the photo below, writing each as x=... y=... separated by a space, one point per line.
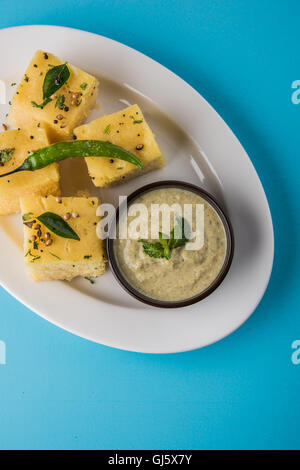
x=199 y=147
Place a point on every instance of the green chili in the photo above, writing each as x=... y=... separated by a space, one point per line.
x=79 y=148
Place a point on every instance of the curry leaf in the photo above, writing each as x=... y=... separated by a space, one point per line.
x=56 y=224
x=55 y=78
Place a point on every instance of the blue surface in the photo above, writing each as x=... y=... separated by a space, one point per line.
x=60 y=391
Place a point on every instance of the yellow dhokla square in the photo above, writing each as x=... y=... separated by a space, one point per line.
x=15 y=145
x=49 y=256
x=128 y=129
x=69 y=107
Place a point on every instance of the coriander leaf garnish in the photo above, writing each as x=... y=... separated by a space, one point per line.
x=56 y=224
x=83 y=85
x=60 y=102
x=35 y=258
x=26 y=78
x=55 y=256
x=163 y=248
x=35 y=245
x=27 y=216
x=87 y=256
x=106 y=129
x=6 y=155
x=90 y=280
x=137 y=121
x=155 y=250
x=165 y=243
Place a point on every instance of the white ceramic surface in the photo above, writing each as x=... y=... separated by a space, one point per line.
x=199 y=147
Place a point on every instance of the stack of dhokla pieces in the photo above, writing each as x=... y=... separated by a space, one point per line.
x=48 y=254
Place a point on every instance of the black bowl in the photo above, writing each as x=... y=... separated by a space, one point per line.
x=227 y=261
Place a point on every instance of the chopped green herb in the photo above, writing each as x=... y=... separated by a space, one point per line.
x=13 y=84
x=6 y=155
x=35 y=258
x=26 y=78
x=35 y=245
x=27 y=216
x=78 y=103
x=87 y=256
x=155 y=250
x=60 y=102
x=28 y=253
x=106 y=129
x=55 y=256
x=164 y=247
x=137 y=121
x=83 y=86
x=90 y=280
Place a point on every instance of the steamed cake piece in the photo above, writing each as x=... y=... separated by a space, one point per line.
x=15 y=145
x=49 y=256
x=128 y=129
x=70 y=105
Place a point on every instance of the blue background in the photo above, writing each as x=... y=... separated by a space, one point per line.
x=60 y=391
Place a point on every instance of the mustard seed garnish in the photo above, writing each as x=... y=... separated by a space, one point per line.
x=67 y=216
x=46 y=55
x=139 y=147
x=32 y=137
x=39 y=233
x=59 y=117
x=47 y=235
x=37 y=227
x=55 y=121
x=32 y=238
